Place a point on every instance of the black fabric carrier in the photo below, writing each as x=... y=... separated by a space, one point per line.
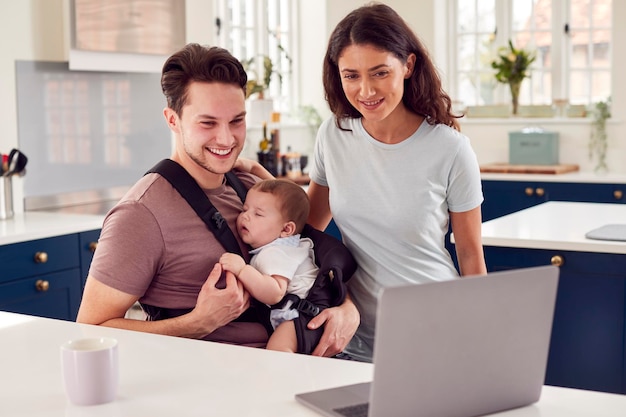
x=335 y=262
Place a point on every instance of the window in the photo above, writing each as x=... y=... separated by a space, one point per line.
x=572 y=40
x=255 y=29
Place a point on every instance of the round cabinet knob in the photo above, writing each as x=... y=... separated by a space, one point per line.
x=41 y=285
x=93 y=246
x=529 y=191
x=618 y=194
x=540 y=192
x=557 y=260
x=41 y=257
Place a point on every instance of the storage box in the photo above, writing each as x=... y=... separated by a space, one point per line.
x=533 y=146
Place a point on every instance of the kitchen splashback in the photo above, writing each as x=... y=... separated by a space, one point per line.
x=87 y=134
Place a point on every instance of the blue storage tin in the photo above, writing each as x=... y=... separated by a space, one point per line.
x=533 y=146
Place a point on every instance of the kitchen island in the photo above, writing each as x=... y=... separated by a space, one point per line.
x=45 y=259
x=171 y=376
x=588 y=348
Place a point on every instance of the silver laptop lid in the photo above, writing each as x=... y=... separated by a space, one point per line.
x=465 y=347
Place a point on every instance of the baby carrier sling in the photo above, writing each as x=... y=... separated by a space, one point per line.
x=336 y=264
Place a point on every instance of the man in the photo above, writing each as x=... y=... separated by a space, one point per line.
x=154 y=248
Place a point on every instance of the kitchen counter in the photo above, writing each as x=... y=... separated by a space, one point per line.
x=39 y=225
x=556 y=225
x=575 y=177
x=171 y=376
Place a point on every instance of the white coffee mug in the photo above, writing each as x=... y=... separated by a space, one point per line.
x=90 y=370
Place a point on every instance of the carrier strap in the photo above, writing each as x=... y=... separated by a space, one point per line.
x=198 y=200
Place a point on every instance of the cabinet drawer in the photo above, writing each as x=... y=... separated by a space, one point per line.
x=55 y=295
x=38 y=257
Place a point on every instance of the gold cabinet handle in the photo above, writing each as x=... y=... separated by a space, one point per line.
x=93 y=246
x=41 y=285
x=540 y=192
x=557 y=260
x=529 y=191
x=618 y=194
x=41 y=257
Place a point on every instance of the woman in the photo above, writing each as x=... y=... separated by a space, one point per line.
x=390 y=166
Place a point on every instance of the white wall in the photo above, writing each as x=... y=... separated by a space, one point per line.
x=30 y=30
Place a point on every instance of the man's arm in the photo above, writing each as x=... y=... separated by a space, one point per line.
x=104 y=305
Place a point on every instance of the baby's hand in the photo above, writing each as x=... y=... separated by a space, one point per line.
x=232 y=262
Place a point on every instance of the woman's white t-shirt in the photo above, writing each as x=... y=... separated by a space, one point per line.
x=391 y=203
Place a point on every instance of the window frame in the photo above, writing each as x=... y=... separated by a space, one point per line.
x=282 y=88
x=561 y=68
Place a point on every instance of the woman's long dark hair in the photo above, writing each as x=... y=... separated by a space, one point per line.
x=380 y=26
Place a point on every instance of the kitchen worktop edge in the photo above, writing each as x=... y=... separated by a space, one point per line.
x=23 y=227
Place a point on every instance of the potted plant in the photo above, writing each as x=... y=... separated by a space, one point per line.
x=512 y=67
x=258 y=85
x=260 y=107
x=598 y=139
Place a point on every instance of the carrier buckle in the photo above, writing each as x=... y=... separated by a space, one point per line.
x=307 y=307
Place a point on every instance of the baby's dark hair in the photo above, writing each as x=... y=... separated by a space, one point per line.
x=293 y=200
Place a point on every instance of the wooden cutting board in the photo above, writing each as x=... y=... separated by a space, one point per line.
x=528 y=169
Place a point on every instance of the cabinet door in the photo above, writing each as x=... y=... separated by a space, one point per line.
x=506 y=197
x=54 y=295
x=588 y=192
x=88 y=242
x=587 y=347
x=37 y=257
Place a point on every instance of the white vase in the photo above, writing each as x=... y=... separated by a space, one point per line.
x=259 y=110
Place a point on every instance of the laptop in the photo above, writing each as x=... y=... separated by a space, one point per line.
x=460 y=348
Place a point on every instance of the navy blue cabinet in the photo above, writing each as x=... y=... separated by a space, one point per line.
x=88 y=241
x=587 y=349
x=45 y=277
x=505 y=197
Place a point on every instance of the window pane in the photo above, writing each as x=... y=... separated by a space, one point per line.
x=575 y=65
x=601 y=85
x=579 y=87
x=475 y=49
x=486 y=16
x=476 y=16
x=466 y=55
x=590 y=43
x=522 y=15
x=541 y=85
x=580 y=13
x=601 y=39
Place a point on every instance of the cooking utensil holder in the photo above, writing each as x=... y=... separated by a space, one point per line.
x=6 y=198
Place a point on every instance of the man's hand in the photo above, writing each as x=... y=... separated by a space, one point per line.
x=218 y=307
x=340 y=323
x=232 y=262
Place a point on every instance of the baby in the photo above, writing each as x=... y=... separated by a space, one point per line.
x=274 y=213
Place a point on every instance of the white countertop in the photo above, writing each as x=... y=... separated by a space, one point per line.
x=556 y=225
x=170 y=376
x=38 y=225
x=582 y=177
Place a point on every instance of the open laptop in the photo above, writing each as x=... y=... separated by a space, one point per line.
x=460 y=348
